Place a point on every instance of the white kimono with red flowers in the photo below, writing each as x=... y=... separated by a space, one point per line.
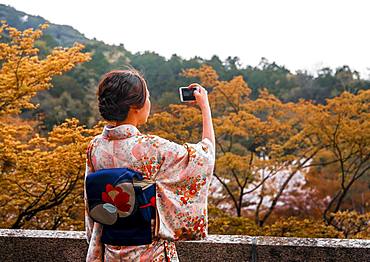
x=182 y=174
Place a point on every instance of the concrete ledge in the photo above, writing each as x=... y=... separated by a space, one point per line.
x=45 y=245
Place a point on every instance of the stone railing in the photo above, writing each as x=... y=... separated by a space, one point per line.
x=44 y=245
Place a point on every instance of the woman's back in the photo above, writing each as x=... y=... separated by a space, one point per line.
x=182 y=174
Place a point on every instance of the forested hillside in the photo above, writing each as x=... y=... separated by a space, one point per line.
x=73 y=94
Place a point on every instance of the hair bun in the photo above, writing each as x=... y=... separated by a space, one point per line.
x=119 y=90
x=111 y=111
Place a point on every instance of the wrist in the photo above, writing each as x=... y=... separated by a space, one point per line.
x=205 y=107
x=205 y=110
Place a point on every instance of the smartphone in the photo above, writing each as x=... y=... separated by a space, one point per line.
x=187 y=94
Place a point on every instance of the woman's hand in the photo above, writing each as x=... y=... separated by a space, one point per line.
x=201 y=96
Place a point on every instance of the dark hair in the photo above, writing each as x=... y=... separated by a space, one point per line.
x=118 y=90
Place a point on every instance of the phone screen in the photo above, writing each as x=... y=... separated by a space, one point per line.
x=188 y=94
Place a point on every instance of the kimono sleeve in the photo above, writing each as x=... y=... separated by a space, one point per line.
x=89 y=223
x=93 y=229
x=182 y=188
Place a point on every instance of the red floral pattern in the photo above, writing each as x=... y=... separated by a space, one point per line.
x=116 y=197
x=189 y=188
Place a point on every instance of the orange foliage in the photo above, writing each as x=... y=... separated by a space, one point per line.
x=263 y=144
x=22 y=74
x=41 y=177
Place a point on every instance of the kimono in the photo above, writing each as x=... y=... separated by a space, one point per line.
x=182 y=174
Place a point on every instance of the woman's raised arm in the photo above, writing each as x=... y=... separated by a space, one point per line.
x=201 y=96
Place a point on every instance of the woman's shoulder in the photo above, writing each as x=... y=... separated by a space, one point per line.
x=156 y=140
x=205 y=144
x=162 y=145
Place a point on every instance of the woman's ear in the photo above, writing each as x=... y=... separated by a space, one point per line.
x=134 y=109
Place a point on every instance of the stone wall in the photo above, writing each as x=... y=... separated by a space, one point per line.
x=44 y=245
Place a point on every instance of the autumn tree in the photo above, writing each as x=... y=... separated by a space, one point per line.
x=41 y=177
x=342 y=129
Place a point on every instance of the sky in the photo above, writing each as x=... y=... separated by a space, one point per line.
x=298 y=34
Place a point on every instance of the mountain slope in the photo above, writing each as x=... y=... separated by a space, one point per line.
x=64 y=35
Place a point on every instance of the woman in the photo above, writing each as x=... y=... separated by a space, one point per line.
x=182 y=172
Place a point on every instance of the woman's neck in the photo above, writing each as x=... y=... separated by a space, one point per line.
x=125 y=122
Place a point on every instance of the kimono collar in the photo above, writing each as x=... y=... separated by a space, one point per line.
x=120 y=132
